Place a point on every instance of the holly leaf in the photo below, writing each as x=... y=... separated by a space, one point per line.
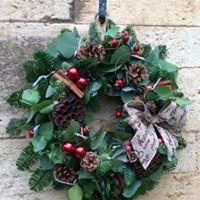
x=30 y=96
x=75 y=192
x=66 y=43
x=121 y=55
x=46 y=130
x=129 y=191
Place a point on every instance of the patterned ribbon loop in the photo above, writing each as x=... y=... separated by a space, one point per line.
x=168 y=122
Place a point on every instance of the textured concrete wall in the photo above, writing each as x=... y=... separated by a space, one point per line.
x=26 y=25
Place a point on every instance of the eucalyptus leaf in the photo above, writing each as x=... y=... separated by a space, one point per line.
x=31 y=96
x=50 y=91
x=39 y=143
x=66 y=43
x=56 y=155
x=127 y=96
x=156 y=174
x=75 y=192
x=45 y=163
x=97 y=139
x=129 y=191
x=112 y=32
x=73 y=128
x=163 y=92
x=121 y=55
x=46 y=130
x=183 y=101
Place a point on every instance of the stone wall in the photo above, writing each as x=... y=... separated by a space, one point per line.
x=26 y=25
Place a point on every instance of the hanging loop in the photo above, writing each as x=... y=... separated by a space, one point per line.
x=102 y=11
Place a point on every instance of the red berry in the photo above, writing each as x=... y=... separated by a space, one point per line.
x=68 y=147
x=136 y=48
x=120 y=83
x=114 y=42
x=161 y=141
x=84 y=130
x=31 y=133
x=73 y=73
x=82 y=83
x=125 y=37
x=118 y=114
x=80 y=152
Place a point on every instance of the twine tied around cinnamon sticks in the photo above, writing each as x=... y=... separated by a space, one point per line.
x=61 y=77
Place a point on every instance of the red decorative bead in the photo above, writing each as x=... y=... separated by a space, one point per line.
x=136 y=48
x=31 y=133
x=114 y=42
x=73 y=73
x=120 y=83
x=80 y=152
x=125 y=37
x=82 y=83
x=118 y=114
x=68 y=147
x=84 y=130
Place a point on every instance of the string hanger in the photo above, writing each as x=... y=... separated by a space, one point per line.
x=102 y=11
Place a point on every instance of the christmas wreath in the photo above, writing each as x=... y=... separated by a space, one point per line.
x=69 y=83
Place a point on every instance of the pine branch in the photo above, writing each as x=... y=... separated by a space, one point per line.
x=14 y=99
x=182 y=143
x=16 y=126
x=40 y=179
x=162 y=51
x=94 y=34
x=27 y=158
x=42 y=64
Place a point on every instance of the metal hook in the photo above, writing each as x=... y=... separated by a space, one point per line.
x=102 y=11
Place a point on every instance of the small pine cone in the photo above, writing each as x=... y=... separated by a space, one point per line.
x=151 y=106
x=91 y=50
x=64 y=174
x=90 y=161
x=137 y=73
x=120 y=180
x=67 y=109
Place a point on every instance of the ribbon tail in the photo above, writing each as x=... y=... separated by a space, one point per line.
x=170 y=141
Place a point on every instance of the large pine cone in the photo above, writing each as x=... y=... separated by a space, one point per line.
x=67 y=109
x=90 y=161
x=64 y=174
x=137 y=73
x=91 y=50
x=155 y=164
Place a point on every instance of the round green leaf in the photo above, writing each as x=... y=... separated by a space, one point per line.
x=31 y=96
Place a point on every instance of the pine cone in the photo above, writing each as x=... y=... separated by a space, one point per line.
x=64 y=174
x=90 y=161
x=67 y=109
x=155 y=164
x=91 y=50
x=151 y=106
x=120 y=180
x=137 y=73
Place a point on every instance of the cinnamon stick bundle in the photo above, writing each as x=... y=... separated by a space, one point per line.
x=164 y=83
x=61 y=77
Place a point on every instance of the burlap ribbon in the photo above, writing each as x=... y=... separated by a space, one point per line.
x=168 y=123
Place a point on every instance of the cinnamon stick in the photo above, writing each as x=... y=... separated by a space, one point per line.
x=60 y=76
x=166 y=83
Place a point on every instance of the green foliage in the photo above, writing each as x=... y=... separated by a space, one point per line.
x=155 y=176
x=97 y=139
x=169 y=165
x=16 y=126
x=129 y=191
x=162 y=51
x=74 y=127
x=105 y=164
x=40 y=179
x=75 y=192
x=94 y=104
x=42 y=64
x=164 y=93
x=182 y=143
x=183 y=101
x=27 y=158
x=14 y=99
x=45 y=163
x=30 y=96
x=112 y=32
x=94 y=34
